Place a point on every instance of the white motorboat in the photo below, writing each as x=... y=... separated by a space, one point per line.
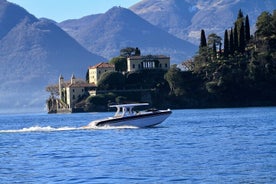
x=126 y=116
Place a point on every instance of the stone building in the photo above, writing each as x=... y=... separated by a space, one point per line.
x=71 y=92
x=135 y=63
x=96 y=71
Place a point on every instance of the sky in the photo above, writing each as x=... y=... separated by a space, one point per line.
x=60 y=10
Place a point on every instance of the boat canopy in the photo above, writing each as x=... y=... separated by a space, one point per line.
x=126 y=109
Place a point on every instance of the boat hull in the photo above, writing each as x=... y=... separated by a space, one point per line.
x=144 y=120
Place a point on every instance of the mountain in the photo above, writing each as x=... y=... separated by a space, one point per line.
x=173 y=16
x=33 y=53
x=107 y=33
x=185 y=18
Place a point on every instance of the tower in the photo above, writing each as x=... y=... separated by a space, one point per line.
x=73 y=79
x=60 y=86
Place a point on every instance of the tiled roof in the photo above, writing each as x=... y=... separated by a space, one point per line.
x=102 y=65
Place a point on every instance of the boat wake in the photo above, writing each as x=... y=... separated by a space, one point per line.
x=107 y=127
x=52 y=129
x=39 y=129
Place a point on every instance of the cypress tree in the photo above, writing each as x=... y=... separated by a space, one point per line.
x=220 y=51
x=235 y=38
x=203 y=42
x=226 y=44
x=239 y=21
x=240 y=14
x=242 y=39
x=247 y=29
x=137 y=52
x=231 y=42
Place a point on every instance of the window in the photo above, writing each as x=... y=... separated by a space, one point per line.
x=133 y=66
x=73 y=90
x=166 y=65
x=73 y=96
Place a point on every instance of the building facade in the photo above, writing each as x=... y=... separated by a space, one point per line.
x=95 y=72
x=135 y=63
x=71 y=92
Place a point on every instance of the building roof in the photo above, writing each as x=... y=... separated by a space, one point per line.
x=102 y=65
x=149 y=56
x=81 y=85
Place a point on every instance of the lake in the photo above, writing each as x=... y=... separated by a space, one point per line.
x=235 y=145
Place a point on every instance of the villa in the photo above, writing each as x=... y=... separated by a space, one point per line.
x=71 y=92
x=95 y=72
x=135 y=63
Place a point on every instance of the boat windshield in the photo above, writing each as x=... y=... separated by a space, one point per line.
x=126 y=109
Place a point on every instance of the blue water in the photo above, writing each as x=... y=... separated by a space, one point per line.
x=191 y=146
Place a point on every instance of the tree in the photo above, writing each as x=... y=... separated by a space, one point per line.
x=120 y=63
x=226 y=44
x=130 y=51
x=264 y=26
x=53 y=89
x=175 y=81
x=87 y=76
x=220 y=50
x=213 y=38
x=235 y=38
x=247 y=29
x=137 y=52
x=214 y=42
x=203 y=42
x=240 y=20
x=273 y=23
x=241 y=39
x=111 y=80
x=240 y=14
x=145 y=79
x=214 y=50
x=231 y=42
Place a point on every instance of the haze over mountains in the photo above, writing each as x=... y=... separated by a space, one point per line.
x=34 y=52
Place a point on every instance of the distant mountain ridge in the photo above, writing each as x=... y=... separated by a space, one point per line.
x=173 y=16
x=185 y=18
x=33 y=53
x=118 y=28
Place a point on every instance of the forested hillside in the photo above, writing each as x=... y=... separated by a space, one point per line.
x=241 y=71
x=238 y=70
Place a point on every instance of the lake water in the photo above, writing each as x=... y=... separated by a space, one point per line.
x=191 y=146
